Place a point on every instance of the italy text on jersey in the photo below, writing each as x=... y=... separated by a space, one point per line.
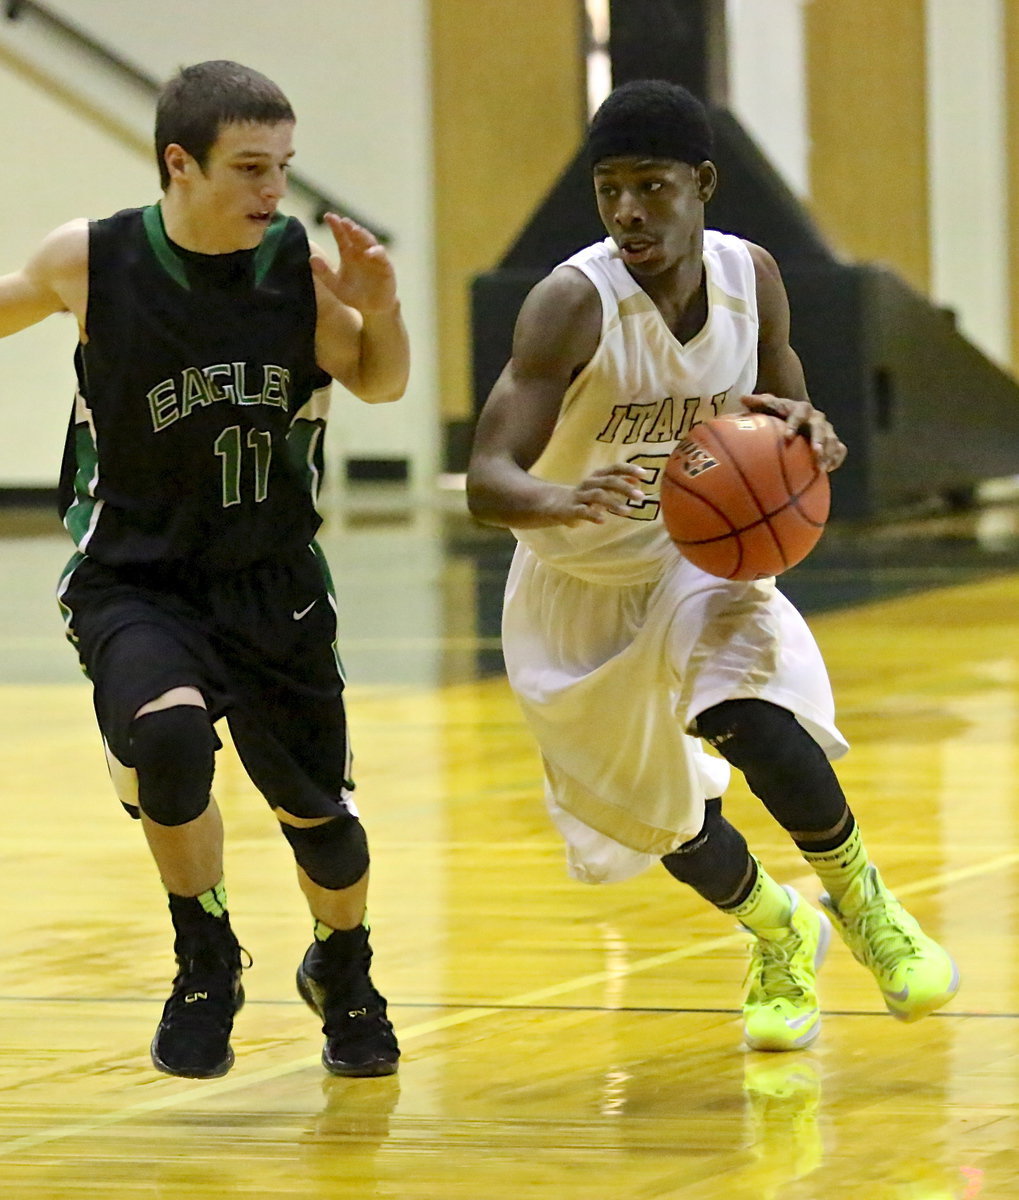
x=660 y=421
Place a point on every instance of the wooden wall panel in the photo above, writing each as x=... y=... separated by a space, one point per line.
x=866 y=87
x=508 y=113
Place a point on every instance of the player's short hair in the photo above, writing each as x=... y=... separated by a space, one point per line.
x=200 y=99
x=651 y=118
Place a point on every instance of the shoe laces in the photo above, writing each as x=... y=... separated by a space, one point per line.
x=773 y=971
x=884 y=929
x=349 y=996
x=208 y=968
x=206 y=959
x=206 y=991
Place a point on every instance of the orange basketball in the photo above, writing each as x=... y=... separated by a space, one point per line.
x=741 y=500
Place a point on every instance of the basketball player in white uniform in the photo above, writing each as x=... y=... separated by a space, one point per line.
x=623 y=654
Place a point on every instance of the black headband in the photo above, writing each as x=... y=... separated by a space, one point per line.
x=649 y=139
x=652 y=119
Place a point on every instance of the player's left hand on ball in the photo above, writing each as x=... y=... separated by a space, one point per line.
x=365 y=278
x=801 y=416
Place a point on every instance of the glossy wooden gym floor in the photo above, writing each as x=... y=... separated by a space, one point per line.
x=560 y=1042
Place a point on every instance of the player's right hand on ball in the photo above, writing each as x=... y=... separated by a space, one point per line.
x=607 y=490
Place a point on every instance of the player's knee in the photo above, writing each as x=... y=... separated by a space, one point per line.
x=173 y=751
x=782 y=763
x=334 y=854
x=716 y=863
x=755 y=734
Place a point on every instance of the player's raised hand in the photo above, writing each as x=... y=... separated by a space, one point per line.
x=365 y=278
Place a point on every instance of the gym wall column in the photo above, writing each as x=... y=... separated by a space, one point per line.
x=508 y=111
x=867 y=104
x=1011 y=37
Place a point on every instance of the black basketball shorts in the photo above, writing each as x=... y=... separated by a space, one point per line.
x=258 y=643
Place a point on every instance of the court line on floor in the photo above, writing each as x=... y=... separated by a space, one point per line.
x=201 y=1095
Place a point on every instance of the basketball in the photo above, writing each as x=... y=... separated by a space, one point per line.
x=741 y=500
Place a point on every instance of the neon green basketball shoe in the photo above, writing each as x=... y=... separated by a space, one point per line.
x=781 y=1010
x=915 y=975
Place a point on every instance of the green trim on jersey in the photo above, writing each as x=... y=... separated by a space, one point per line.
x=331 y=590
x=72 y=565
x=303 y=442
x=78 y=520
x=155 y=231
x=266 y=251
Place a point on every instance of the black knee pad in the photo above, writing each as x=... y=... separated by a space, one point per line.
x=333 y=855
x=173 y=751
x=782 y=763
x=716 y=863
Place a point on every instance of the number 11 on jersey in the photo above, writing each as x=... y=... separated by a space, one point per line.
x=228 y=448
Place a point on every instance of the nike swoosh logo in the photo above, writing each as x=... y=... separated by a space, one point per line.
x=899 y=996
x=304 y=611
x=796 y=1022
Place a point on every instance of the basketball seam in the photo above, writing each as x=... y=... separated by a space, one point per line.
x=765 y=517
x=737 y=467
x=734 y=531
x=780 y=441
x=794 y=497
x=792 y=502
x=708 y=504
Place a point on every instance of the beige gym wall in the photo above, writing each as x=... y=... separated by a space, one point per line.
x=508 y=111
x=1011 y=37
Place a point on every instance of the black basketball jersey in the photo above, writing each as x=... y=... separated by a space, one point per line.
x=198 y=422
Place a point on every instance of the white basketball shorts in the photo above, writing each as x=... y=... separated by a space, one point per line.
x=611 y=680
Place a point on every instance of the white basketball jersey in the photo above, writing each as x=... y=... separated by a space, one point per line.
x=638 y=396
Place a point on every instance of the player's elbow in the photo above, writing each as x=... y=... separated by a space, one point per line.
x=478 y=498
x=484 y=502
x=482 y=510
x=381 y=395
x=373 y=387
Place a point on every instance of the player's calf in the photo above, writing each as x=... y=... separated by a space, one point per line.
x=334 y=977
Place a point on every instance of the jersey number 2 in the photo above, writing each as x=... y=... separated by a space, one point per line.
x=647 y=509
x=228 y=447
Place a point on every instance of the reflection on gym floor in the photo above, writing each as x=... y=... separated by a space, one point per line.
x=559 y=1041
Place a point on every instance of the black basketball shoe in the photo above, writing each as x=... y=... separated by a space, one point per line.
x=334 y=982
x=193 y=1037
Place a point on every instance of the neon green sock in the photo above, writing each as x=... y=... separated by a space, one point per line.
x=767 y=908
x=839 y=867
x=323 y=931
x=214 y=900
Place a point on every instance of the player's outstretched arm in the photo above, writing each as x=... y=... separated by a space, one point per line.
x=360 y=338
x=55 y=279
x=781 y=388
x=556 y=334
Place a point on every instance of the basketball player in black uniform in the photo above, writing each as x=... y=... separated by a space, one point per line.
x=210 y=333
